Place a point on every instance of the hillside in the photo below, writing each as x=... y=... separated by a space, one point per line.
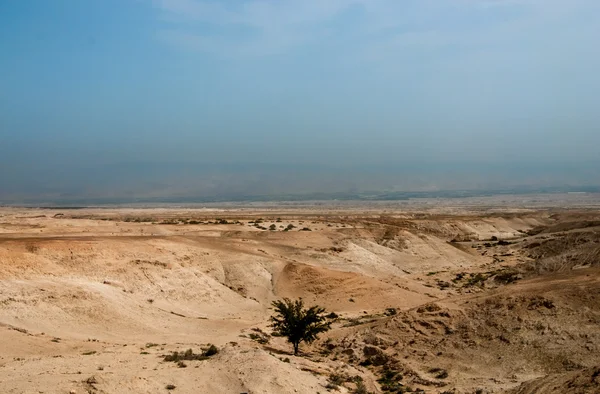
x=92 y=300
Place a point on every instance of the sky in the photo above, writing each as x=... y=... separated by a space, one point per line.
x=162 y=98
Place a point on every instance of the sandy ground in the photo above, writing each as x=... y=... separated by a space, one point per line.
x=92 y=299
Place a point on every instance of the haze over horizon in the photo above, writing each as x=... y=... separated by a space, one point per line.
x=175 y=98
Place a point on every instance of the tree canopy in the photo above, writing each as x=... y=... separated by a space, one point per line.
x=298 y=324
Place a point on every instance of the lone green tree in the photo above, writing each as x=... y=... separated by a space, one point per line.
x=298 y=324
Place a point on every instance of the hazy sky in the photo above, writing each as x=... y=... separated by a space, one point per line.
x=93 y=88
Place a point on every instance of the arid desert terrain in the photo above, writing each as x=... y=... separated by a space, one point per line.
x=450 y=300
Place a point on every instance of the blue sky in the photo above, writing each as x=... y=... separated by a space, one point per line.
x=333 y=83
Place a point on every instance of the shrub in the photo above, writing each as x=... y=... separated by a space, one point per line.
x=439 y=373
x=390 y=381
x=336 y=379
x=360 y=388
x=259 y=336
x=476 y=280
x=390 y=311
x=332 y=316
x=211 y=351
x=507 y=277
x=32 y=248
x=189 y=355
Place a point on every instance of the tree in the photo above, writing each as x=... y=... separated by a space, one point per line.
x=298 y=324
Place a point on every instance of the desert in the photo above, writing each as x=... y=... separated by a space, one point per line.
x=430 y=297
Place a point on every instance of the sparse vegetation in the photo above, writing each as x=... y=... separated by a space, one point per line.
x=211 y=350
x=32 y=248
x=439 y=373
x=564 y=253
x=335 y=380
x=360 y=388
x=259 y=336
x=476 y=280
x=189 y=355
x=390 y=311
x=391 y=381
x=353 y=322
x=332 y=316
x=506 y=277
